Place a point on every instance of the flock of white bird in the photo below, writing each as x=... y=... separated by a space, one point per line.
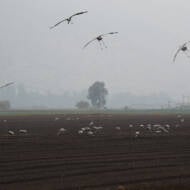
x=156 y=128
x=93 y=129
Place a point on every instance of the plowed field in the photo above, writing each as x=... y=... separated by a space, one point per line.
x=95 y=151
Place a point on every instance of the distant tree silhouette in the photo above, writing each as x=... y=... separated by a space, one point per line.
x=82 y=105
x=97 y=94
x=4 y=105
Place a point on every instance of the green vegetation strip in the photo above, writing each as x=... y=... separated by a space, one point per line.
x=92 y=111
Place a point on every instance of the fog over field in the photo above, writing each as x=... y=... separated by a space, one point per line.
x=138 y=59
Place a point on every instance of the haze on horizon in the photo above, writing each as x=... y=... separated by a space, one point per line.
x=137 y=60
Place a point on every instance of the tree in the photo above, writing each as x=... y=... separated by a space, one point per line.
x=82 y=105
x=97 y=94
x=5 y=105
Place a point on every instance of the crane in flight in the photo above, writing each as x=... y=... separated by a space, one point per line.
x=182 y=48
x=68 y=20
x=7 y=84
x=100 y=40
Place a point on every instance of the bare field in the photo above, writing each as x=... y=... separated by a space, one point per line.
x=94 y=151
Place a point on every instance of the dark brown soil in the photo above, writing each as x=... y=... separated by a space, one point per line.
x=112 y=156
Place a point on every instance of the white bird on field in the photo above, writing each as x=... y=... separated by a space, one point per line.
x=182 y=48
x=137 y=133
x=11 y=132
x=85 y=128
x=167 y=126
x=163 y=129
x=155 y=126
x=159 y=127
x=23 y=131
x=80 y=132
x=179 y=116
x=130 y=125
x=90 y=133
x=68 y=20
x=91 y=123
x=118 y=128
x=98 y=128
x=149 y=126
x=61 y=131
x=56 y=119
x=100 y=40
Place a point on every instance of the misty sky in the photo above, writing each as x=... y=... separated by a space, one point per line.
x=137 y=60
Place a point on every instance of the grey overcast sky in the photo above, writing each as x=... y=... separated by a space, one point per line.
x=137 y=60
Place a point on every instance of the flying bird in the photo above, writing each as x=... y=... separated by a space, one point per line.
x=7 y=84
x=182 y=48
x=68 y=20
x=100 y=39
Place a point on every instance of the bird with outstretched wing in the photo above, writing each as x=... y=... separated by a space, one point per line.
x=99 y=39
x=68 y=19
x=182 y=48
x=7 y=84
